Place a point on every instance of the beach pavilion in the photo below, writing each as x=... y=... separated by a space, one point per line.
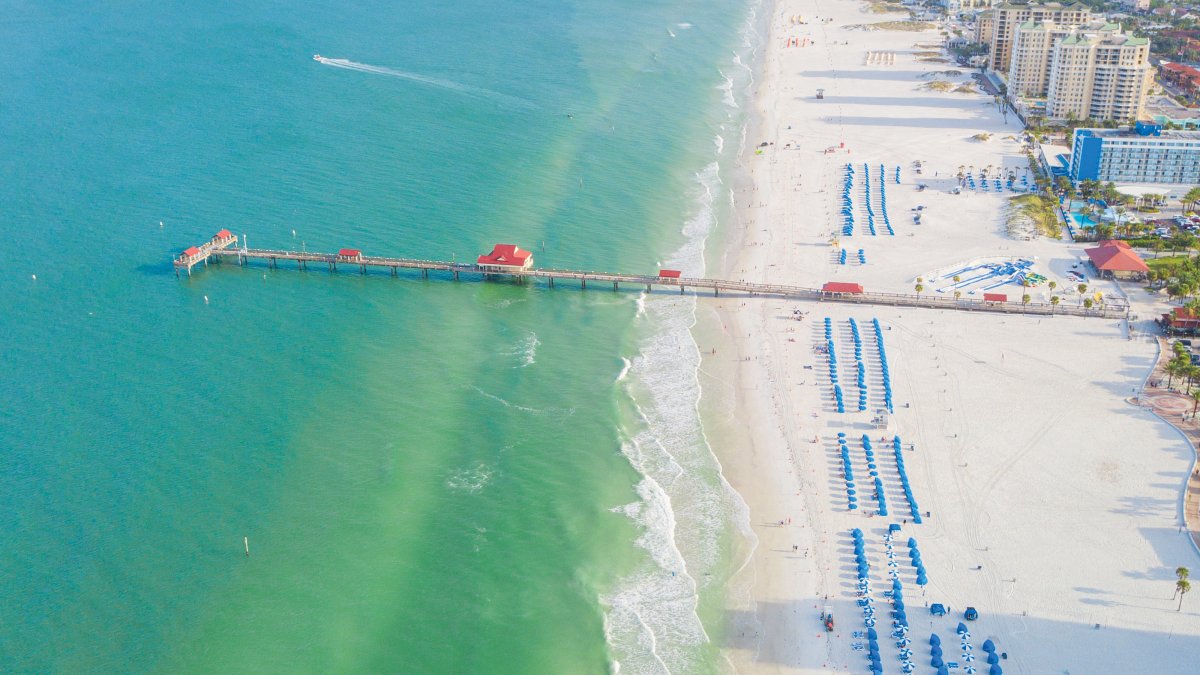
x=506 y=259
x=1116 y=260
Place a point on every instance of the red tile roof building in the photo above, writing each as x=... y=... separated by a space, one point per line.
x=1114 y=260
x=506 y=258
x=841 y=287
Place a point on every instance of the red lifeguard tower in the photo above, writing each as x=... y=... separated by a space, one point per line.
x=506 y=259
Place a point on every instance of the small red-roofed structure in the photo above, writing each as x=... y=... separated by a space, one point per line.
x=840 y=287
x=995 y=297
x=222 y=236
x=1112 y=260
x=1180 y=320
x=349 y=254
x=189 y=253
x=506 y=258
x=669 y=274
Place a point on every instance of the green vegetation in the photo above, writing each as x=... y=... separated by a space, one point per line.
x=1039 y=210
x=910 y=26
x=938 y=85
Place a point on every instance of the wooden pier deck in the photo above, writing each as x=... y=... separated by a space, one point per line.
x=363 y=263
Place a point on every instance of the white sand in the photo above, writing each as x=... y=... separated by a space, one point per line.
x=1055 y=503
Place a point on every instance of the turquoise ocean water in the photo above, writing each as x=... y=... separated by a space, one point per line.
x=433 y=476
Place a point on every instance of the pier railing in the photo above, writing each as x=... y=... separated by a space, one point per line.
x=333 y=260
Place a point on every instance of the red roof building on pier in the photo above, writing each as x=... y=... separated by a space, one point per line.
x=841 y=287
x=189 y=253
x=506 y=258
x=222 y=236
x=669 y=274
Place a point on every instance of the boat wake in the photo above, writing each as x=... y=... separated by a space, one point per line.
x=449 y=85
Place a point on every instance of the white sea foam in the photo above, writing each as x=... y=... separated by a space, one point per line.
x=726 y=88
x=450 y=85
x=685 y=25
x=525 y=350
x=641 y=305
x=471 y=479
x=685 y=505
x=626 y=364
x=565 y=412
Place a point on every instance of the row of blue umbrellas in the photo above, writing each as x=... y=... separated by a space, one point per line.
x=899 y=615
x=879 y=496
x=847 y=473
x=844 y=253
x=912 y=503
x=831 y=352
x=867 y=198
x=883 y=363
x=883 y=199
x=914 y=555
x=848 y=203
x=865 y=601
x=860 y=367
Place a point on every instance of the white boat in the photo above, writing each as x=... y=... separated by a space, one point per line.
x=316 y=57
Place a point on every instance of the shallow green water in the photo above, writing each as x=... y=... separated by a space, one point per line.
x=427 y=471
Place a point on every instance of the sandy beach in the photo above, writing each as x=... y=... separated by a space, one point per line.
x=1053 y=502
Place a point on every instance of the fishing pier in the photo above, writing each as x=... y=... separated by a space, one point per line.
x=512 y=261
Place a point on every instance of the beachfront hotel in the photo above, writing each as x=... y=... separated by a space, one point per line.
x=1101 y=76
x=1083 y=72
x=1145 y=153
x=1033 y=54
x=997 y=27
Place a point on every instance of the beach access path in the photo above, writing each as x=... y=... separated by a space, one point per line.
x=1176 y=408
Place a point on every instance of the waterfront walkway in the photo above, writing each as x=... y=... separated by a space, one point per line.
x=1175 y=408
x=362 y=263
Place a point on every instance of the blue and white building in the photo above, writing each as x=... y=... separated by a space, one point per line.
x=1145 y=153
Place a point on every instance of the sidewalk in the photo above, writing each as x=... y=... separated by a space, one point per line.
x=1175 y=408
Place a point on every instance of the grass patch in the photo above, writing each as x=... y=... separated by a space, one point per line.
x=982 y=137
x=1165 y=263
x=941 y=73
x=965 y=89
x=928 y=53
x=933 y=59
x=938 y=85
x=884 y=7
x=911 y=26
x=1033 y=214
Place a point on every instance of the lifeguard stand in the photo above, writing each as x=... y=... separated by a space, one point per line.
x=820 y=93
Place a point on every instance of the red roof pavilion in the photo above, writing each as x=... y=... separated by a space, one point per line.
x=508 y=256
x=1116 y=259
x=349 y=253
x=222 y=235
x=669 y=274
x=190 y=251
x=1119 y=243
x=841 y=287
x=995 y=297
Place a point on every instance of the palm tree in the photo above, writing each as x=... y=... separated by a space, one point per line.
x=1087 y=303
x=1082 y=288
x=1158 y=246
x=1025 y=299
x=957 y=294
x=1053 y=301
x=919 y=288
x=1174 y=369
x=1052 y=285
x=1182 y=586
